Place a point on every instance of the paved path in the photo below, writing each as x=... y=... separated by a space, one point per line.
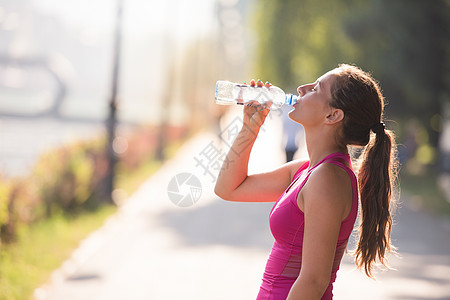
x=153 y=249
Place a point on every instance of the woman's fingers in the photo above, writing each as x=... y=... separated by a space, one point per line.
x=259 y=83
x=254 y=115
x=258 y=107
x=254 y=103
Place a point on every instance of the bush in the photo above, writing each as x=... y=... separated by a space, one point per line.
x=66 y=178
x=4 y=205
x=70 y=179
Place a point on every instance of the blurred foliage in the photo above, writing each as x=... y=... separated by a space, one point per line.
x=64 y=178
x=201 y=65
x=425 y=192
x=405 y=44
x=45 y=215
x=4 y=193
x=301 y=40
x=70 y=179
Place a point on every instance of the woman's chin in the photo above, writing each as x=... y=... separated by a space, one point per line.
x=291 y=116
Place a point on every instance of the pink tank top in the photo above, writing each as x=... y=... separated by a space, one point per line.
x=287 y=226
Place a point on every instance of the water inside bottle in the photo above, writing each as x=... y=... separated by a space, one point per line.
x=224 y=92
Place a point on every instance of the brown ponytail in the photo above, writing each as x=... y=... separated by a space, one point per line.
x=359 y=96
x=376 y=178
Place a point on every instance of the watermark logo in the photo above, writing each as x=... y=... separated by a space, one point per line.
x=184 y=189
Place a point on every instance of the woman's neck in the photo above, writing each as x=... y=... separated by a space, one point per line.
x=321 y=143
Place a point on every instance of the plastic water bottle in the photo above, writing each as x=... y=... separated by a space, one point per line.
x=228 y=93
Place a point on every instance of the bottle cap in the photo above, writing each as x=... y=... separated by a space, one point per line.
x=291 y=99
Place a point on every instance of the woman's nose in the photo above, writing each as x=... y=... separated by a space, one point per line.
x=300 y=90
x=304 y=88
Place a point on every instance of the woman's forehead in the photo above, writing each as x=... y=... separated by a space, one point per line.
x=327 y=78
x=328 y=75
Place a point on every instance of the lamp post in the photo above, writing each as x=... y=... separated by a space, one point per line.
x=168 y=95
x=112 y=116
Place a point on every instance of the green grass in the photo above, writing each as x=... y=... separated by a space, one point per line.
x=41 y=248
x=423 y=191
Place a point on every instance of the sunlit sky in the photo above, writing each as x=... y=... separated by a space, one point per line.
x=145 y=22
x=182 y=19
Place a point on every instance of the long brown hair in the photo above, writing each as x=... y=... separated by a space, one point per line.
x=359 y=96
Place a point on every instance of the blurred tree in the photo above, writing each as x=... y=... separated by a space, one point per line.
x=404 y=44
x=111 y=122
x=300 y=40
x=201 y=65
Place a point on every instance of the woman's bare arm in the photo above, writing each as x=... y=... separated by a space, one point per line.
x=326 y=200
x=234 y=183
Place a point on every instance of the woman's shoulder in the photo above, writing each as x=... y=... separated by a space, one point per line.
x=330 y=182
x=332 y=174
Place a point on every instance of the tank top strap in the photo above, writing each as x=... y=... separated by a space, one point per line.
x=342 y=160
x=337 y=157
x=297 y=174
x=303 y=167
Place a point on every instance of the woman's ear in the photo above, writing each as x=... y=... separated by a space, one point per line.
x=336 y=115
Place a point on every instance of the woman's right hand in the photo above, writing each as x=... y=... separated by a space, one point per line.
x=255 y=113
x=234 y=183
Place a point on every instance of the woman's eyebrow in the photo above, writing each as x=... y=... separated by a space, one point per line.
x=321 y=84
x=317 y=83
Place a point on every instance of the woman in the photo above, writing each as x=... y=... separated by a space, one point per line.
x=317 y=200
